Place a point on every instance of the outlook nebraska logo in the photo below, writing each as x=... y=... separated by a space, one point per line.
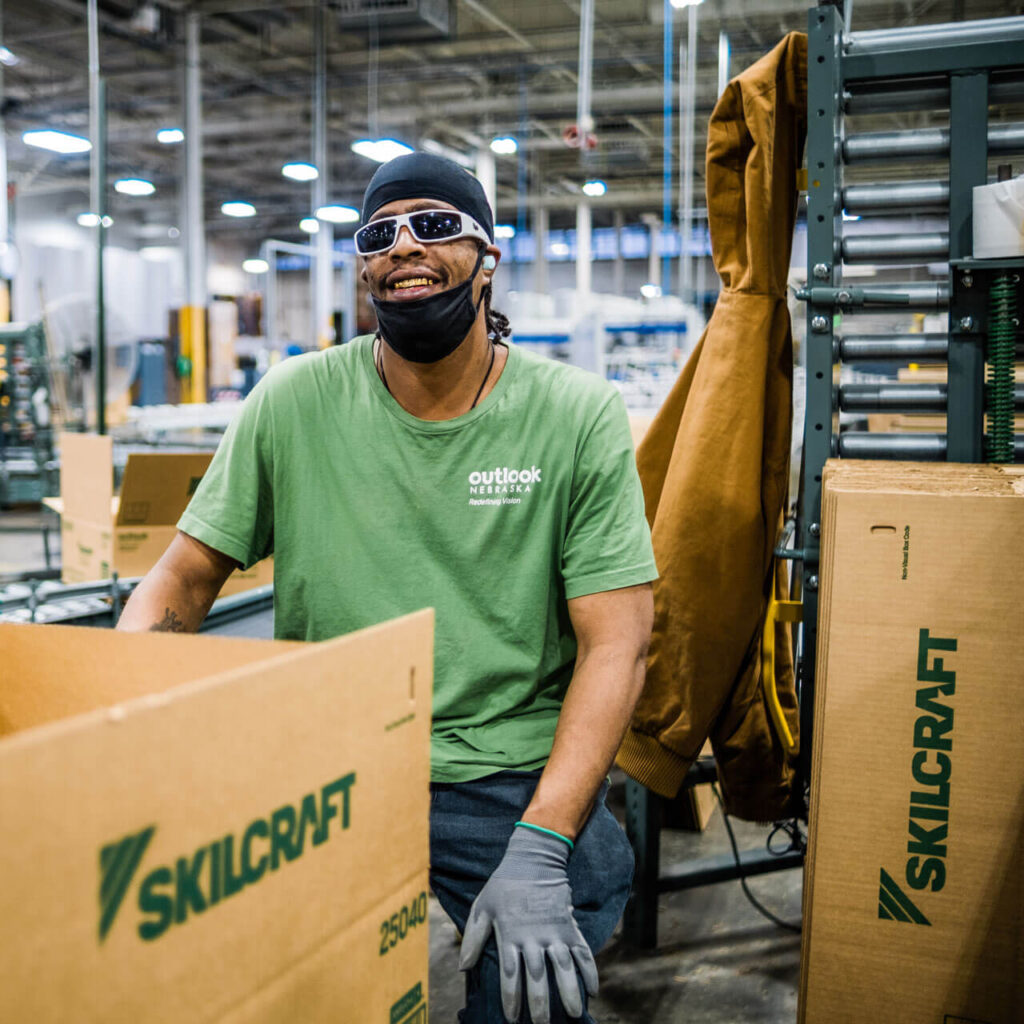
x=502 y=485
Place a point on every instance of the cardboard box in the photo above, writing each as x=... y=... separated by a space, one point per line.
x=914 y=884
x=102 y=533
x=218 y=830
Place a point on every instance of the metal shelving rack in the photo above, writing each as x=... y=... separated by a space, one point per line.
x=961 y=67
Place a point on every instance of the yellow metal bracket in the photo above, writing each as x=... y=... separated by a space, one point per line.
x=778 y=611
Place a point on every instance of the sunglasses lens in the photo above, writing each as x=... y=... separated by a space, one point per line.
x=435 y=225
x=380 y=234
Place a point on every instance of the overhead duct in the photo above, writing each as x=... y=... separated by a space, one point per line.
x=399 y=20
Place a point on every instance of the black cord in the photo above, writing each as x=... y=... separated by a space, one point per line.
x=795 y=843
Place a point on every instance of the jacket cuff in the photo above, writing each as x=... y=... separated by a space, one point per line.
x=644 y=759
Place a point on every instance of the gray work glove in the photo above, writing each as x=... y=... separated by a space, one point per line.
x=528 y=903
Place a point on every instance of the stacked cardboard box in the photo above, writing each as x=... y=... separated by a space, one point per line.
x=127 y=533
x=914 y=886
x=202 y=829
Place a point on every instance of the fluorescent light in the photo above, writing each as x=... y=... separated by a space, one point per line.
x=168 y=136
x=310 y=225
x=504 y=145
x=559 y=249
x=90 y=220
x=300 y=172
x=504 y=231
x=238 y=209
x=134 y=187
x=58 y=142
x=381 y=150
x=650 y=291
x=8 y=59
x=686 y=3
x=338 y=214
x=594 y=188
x=255 y=266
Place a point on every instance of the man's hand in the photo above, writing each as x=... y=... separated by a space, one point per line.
x=528 y=904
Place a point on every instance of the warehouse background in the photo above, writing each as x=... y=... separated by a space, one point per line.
x=606 y=263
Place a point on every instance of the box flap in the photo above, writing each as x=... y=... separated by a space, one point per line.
x=158 y=485
x=87 y=476
x=63 y=671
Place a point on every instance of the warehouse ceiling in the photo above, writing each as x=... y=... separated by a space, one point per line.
x=448 y=73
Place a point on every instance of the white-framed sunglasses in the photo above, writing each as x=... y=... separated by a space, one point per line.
x=427 y=226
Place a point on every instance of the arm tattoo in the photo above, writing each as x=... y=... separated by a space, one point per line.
x=169 y=624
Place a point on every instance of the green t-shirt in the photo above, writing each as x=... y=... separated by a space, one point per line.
x=494 y=519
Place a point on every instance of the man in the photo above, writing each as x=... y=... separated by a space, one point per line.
x=434 y=465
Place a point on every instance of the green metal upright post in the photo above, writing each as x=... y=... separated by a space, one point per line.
x=100 y=352
x=968 y=166
x=644 y=811
x=824 y=210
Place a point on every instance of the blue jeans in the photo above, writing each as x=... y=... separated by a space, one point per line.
x=470 y=825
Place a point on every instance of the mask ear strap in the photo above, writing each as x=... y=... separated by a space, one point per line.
x=476 y=270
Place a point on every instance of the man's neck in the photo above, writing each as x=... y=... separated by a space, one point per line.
x=447 y=388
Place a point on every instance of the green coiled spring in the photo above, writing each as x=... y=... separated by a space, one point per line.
x=1002 y=342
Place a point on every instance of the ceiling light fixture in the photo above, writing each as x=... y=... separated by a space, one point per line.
x=134 y=187
x=381 y=150
x=310 y=225
x=504 y=231
x=300 y=171
x=686 y=3
x=255 y=266
x=168 y=136
x=504 y=145
x=238 y=209
x=56 y=142
x=90 y=220
x=594 y=188
x=338 y=214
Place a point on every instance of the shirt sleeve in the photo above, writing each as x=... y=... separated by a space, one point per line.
x=232 y=510
x=608 y=542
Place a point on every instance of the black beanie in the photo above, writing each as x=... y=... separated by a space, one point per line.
x=425 y=176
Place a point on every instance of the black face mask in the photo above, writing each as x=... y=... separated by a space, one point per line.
x=426 y=330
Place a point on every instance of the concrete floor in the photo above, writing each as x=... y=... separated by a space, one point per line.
x=718 y=961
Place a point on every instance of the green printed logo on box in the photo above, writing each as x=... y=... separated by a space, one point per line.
x=168 y=895
x=409 y=1009
x=118 y=864
x=931 y=768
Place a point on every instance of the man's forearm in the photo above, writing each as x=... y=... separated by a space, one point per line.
x=165 y=602
x=605 y=687
x=177 y=592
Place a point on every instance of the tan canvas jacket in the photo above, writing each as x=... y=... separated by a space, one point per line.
x=715 y=469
